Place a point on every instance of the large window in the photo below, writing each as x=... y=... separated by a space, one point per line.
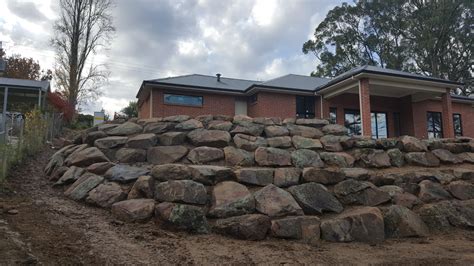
x=333 y=115
x=352 y=122
x=180 y=99
x=396 y=124
x=379 y=125
x=305 y=106
x=457 y=123
x=434 y=125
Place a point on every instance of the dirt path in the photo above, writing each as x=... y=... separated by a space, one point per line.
x=50 y=229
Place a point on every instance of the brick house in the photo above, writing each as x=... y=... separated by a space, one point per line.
x=369 y=101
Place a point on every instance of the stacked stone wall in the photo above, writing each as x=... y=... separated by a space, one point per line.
x=253 y=178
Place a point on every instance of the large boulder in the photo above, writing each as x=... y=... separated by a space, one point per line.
x=447 y=214
x=249 y=226
x=285 y=177
x=56 y=161
x=165 y=172
x=335 y=129
x=129 y=155
x=99 y=168
x=267 y=156
x=312 y=122
x=172 y=138
x=267 y=121
x=323 y=176
x=211 y=174
x=166 y=154
x=360 y=192
x=202 y=155
x=422 y=159
x=134 y=210
x=306 y=158
x=249 y=143
x=299 y=227
x=406 y=199
x=356 y=173
x=79 y=189
x=276 y=131
x=374 y=158
x=331 y=143
x=446 y=156
x=181 y=191
x=396 y=157
x=306 y=143
x=231 y=199
x=142 y=188
x=340 y=159
x=86 y=157
x=464 y=174
x=125 y=173
x=211 y=138
x=220 y=125
x=315 y=199
x=125 y=129
x=461 y=190
x=158 y=127
x=110 y=142
x=361 y=224
x=304 y=131
x=58 y=172
x=104 y=195
x=90 y=137
x=400 y=222
x=466 y=157
x=176 y=118
x=431 y=192
x=274 y=201
x=279 y=142
x=411 y=144
x=189 y=125
x=142 y=141
x=71 y=175
x=238 y=157
x=183 y=217
x=248 y=128
x=255 y=176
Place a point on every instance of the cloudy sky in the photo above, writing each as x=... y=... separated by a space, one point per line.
x=259 y=39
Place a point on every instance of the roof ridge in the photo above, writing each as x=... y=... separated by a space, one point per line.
x=223 y=77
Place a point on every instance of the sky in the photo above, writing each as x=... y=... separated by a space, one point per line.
x=250 y=39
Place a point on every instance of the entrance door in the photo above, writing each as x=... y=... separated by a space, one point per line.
x=305 y=106
x=379 y=125
x=240 y=107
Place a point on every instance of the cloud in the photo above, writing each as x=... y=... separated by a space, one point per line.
x=249 y=39
x=26 y=10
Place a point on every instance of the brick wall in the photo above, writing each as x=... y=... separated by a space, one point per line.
x=421 y=108
x=144 y=108
x=273 y=105
x=212 y=104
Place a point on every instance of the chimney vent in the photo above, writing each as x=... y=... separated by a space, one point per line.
x=218 y=75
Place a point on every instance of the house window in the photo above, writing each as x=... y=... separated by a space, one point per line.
x=379 y=125
x=396 y=124
x=352 y=122
x=434 y=125
x=253 y=98
x=179 y=99
x=457 y=125
x=333 y=115
x=305 y=106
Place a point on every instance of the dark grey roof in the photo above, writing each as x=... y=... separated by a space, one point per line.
x=24 y=83
x=382 y=71
x=298 y=82
x=208 y=82
x=462 y=97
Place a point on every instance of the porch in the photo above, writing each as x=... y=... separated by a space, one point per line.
x=381 y=106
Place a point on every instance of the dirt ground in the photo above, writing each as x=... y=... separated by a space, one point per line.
x=50 y=229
